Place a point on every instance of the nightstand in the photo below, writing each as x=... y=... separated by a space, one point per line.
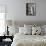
x=11 y=37
x=4 y=42
x=7 y=40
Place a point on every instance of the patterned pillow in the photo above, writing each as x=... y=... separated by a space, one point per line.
x=36 y=30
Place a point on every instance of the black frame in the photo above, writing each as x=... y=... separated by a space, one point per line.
x=28 y=9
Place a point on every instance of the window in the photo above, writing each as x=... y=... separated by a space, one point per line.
x=2 y=19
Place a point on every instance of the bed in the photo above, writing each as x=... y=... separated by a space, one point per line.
x=29 y=40
x=21 y=39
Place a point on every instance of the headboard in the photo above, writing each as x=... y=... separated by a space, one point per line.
x=21 y=23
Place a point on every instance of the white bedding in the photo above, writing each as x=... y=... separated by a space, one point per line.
x=29 y=40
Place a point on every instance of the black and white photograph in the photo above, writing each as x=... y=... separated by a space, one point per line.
x=30 y=9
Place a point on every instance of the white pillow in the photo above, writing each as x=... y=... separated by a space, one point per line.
x=36 y=30
x=42 y=30
x=28 y=31
x=13 y=30
x=23 y=30
x=44 y=27
x=28 y=28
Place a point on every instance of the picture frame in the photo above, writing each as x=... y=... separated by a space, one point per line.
x=30 y=9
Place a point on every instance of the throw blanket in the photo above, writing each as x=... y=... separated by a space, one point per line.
x=29 y=40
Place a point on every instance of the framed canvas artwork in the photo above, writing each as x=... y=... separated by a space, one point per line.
x=30 y=9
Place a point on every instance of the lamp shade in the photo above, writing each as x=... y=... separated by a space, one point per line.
x=9 y=22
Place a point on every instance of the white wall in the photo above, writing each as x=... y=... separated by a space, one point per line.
x=17 y=10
